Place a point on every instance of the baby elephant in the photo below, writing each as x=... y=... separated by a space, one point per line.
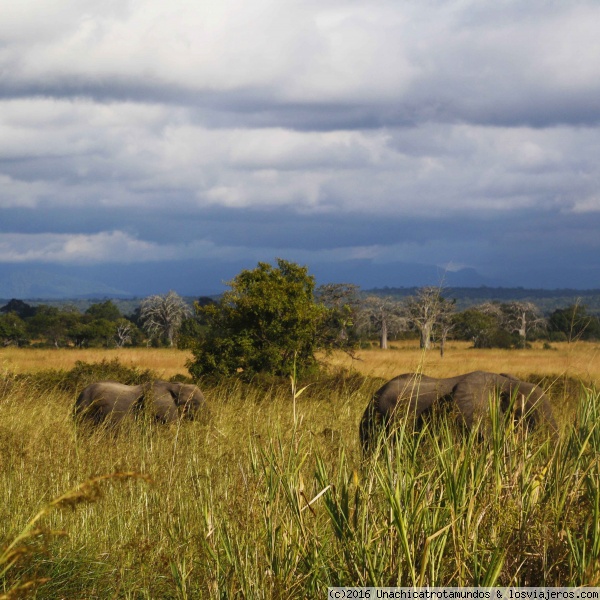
x=109 y=402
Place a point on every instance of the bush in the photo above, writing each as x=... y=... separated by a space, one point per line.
x=267 y=323
x=82 y=374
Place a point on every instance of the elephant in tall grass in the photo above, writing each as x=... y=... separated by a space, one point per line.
x=109 y=402
x=413 y=395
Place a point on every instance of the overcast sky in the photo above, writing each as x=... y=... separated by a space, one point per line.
x=345 y=135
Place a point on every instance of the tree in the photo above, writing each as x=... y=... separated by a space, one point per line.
x=445 y=322
x=104 y=310
x=573 y=323
x=426 y=310
x=53 y=325
x=193 y=326
x=342 y=302
x=123 y=332
x=476 y=326
x=383 y=315
x=12 y=329
x=161 y=316
x=521 y=318
x=268 y=322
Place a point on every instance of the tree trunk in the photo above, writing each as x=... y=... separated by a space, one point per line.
x=426 y=336
x=383 y=339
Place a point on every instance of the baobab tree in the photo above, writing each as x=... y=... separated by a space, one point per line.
x=161 y=316
x=384 y=315
x=342 y=301
x=427 y=310
x=522 y=318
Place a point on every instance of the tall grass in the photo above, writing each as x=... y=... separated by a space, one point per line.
x=266 y=502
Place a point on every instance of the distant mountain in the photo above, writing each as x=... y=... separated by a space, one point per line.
x=204 y=277
x=50 y=284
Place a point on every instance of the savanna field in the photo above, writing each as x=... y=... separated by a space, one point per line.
x=273 y=498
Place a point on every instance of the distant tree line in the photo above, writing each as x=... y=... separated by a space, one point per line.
x=274 y=318
x=546 y=300
x=514 y=324
x=158 y=321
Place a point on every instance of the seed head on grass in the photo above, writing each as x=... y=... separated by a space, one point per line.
x=21 y=548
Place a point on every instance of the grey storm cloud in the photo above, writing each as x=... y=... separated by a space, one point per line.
x=432 y=132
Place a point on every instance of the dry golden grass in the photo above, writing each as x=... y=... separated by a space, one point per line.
x=579 y=360
x=164 y=361
x=227 y=513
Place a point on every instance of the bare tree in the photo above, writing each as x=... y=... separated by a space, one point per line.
x=445 y=322
x=522 y=318
x=384 y=315
x=342 y=301
x=163 y=315
x=123 y=332
x=427 y=310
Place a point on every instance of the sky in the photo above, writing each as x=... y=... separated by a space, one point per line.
x=159 y=145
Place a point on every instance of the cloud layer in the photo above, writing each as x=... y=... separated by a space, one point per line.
x=437 y=132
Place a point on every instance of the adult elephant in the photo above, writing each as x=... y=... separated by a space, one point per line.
x=414 y=394
x=109 y=402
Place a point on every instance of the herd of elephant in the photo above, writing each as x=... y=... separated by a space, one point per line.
x=411 y=395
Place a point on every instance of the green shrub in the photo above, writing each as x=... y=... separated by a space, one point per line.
x=83 y=373
x=268 y=323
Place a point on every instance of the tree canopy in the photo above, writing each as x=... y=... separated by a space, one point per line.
x=268 y=322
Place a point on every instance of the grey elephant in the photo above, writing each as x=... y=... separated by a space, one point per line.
x=109 y=402
x=413 y=394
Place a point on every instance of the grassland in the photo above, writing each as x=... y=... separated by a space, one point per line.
x=579 y=359
x=268 y=502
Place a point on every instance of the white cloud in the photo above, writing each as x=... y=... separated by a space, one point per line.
x=19 y=194
x=447 y=58
x=440 y=110
x=110 y=246
x=587 y=205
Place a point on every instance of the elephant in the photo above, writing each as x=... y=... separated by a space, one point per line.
x=109 y=402
x=414 y=394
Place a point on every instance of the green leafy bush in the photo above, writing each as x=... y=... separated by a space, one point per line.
x=268 y=322
x=83 y=373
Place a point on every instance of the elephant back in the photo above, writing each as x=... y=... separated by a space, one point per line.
x=107 y=402
x=476 y=391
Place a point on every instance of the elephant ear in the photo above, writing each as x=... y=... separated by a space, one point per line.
x=472 y=394
x=182 y=394
x=178 y=391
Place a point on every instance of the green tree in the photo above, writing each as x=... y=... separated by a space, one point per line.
x=51 y=325
x=104 y=310
x=268 y=322
x=573 y=323
x=12 y=330
x=477 y=326
x=193 y=327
